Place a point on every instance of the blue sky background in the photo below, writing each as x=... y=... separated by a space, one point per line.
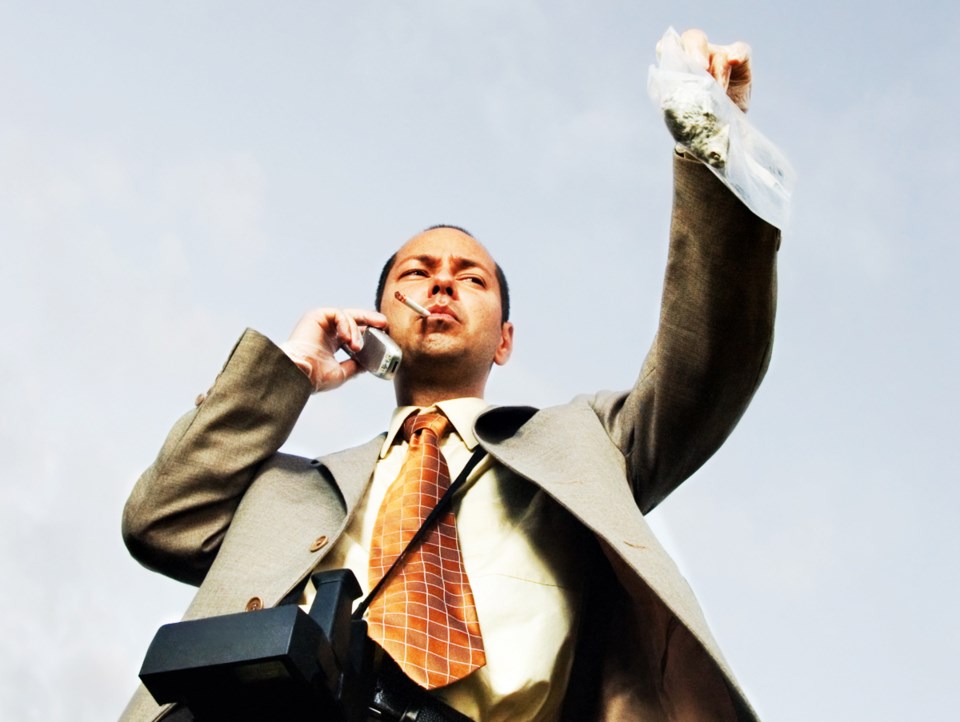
x=173 y=172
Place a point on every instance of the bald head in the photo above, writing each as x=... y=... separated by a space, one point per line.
x=443 y=230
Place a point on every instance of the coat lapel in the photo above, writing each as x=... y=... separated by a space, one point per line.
x=275 y=534
x=566 y=451
x=352 y=469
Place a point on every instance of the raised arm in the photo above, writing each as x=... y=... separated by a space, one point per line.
x=713 y=342
x=716 y=321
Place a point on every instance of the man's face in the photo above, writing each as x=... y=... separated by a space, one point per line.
x=452 y=276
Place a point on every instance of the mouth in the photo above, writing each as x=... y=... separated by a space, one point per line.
x=442 y=312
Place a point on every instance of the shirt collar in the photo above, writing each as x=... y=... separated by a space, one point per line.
x=461 y=412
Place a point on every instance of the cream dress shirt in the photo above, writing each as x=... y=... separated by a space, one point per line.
x=523 y=561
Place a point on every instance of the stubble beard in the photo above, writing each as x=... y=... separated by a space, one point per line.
x=443 y=362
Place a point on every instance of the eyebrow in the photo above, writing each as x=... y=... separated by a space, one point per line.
x=459 y=263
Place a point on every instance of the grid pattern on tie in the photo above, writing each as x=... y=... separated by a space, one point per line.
x=425 y=616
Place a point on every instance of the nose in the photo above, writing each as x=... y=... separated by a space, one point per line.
x=443 y=285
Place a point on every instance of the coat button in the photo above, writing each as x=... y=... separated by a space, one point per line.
x=254 y=604
x=200 y=399
x=319 y=543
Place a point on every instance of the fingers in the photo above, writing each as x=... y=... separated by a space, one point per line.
x=696 y=46
x=739 y=76
x=720 y=66
x=335 y=327
x=738 y=52
x=728 y=64
x=315 y=339
x=367 y=318
x=349 y=321
x=346 y=328
x=330 y=376
x=350 y=368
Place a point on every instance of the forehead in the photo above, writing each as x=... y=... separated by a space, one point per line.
x=446 y=243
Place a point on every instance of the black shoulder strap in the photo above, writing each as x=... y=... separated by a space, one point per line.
x=431 y=519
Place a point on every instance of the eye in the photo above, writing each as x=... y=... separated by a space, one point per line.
x=478 y=280
x=413 y=272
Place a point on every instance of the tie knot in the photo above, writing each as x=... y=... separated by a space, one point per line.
x=433 y=420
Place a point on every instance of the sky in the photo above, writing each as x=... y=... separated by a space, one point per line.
x=172 y=173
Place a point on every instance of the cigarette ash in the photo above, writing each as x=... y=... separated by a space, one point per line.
x=691 y=120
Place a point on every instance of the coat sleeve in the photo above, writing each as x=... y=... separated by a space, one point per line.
x=713 y=342
x=182 y=505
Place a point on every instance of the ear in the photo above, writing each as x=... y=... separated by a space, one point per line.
x=505 y=347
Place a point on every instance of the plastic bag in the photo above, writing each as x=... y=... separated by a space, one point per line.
x=710 y=126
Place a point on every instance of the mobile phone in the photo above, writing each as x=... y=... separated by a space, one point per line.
x=380 y=354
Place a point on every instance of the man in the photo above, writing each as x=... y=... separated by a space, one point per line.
x=581 y=614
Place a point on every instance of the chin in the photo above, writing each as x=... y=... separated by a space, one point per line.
x=434 y=356
x=450 y=360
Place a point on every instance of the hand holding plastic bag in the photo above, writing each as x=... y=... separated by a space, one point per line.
x=703 y=119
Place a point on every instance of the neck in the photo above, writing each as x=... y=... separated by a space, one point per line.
x=425 y=393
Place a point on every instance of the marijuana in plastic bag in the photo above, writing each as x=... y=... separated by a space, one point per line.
x=690 y=117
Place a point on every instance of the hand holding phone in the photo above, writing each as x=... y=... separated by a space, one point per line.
x=321 y=332
x=380 y=354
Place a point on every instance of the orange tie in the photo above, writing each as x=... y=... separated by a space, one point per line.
x=424 y=617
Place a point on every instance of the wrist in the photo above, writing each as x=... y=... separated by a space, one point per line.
x=300 y=354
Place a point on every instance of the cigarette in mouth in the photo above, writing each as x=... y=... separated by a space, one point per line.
x=412 y=305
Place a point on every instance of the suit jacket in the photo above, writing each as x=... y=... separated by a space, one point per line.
x=222 y=509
